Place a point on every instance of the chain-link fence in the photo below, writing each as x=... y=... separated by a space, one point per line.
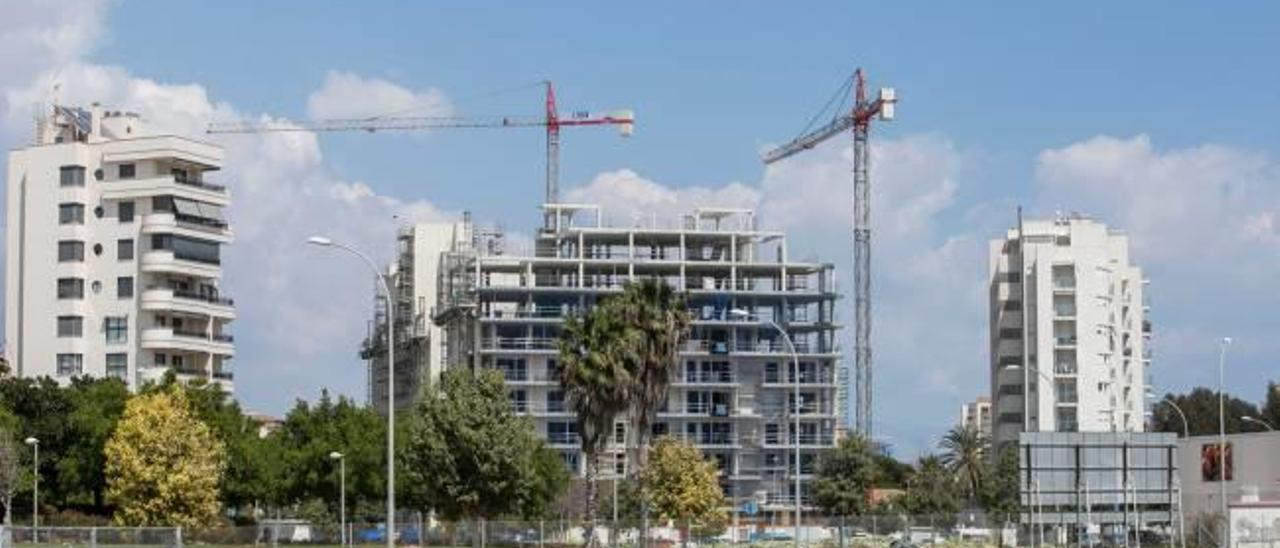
x=878 y=531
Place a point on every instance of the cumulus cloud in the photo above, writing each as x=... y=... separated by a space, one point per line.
x=350 y=95
x=628 y=199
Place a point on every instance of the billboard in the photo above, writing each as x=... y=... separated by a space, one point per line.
x=1214 y=457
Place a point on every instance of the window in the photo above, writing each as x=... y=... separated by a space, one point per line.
x=116 y=328
x=70 y=326
x=70 y=251
x=562 y=432
x=160 y=358
x=519 y=400
x=70 y=214
x=555 y=401
x=124 y=287
x=70 y=288
x=71 y=176
x=118 y=365
x=128 y=171
x=187 y=249
x=124 y=249
x=70 y=365
x=177 y=362
x=619 y=433
x=1011 y=306
x=1010 y=333
x=125 y=212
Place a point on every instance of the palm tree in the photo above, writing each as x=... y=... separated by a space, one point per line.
x=594 y=350
x=659 y=318
x=964 y=452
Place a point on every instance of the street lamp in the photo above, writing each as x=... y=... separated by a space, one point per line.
x=795 y=364
x=1186 y=429
x=342 y=493
x=1222 y=439
x=391 y=378
x=1258 y=421
x=35 y=489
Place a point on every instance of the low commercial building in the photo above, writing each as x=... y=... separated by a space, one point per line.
x=1106 y=485
x=1252 y=470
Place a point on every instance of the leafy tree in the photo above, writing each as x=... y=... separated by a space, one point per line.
x=10 y=465
x=163 y=466
x=549 y=478
x=467 y=455
x=965 y=455
x=43 y=410
x=1201 y=408
x=932 y=489
x=845 y=476
x=96 y=406
x=999 y=495
x=309 y=434
x=683 y=486
x=595 y=349
x=1271 y=406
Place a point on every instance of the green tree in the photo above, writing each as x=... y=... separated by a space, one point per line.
x=309 y=434
x=999 y=495
x=658 y=318
x=845 y=476
x=96 y=407
x=466 y=454
x=932 y=489
x=965 y=456
x=595 y=349
x=1201 y=408
x=163 y=466
x=43 y=410
x=539 y=489
x=10 y=465
x=1271 y=406
x=683 y=486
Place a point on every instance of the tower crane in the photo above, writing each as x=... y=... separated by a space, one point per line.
x=859 y=120
x=551 y=121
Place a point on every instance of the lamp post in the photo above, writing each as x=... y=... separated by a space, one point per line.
x=342 y=493
x=391 y=379
x=35 y=487
x=1186 y=429
x=795 y=364
x=1222 y=439
x=1258 y=421
x=1186 y=433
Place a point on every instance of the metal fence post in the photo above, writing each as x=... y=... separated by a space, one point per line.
x=177 y=537
x=93 y=537
x=840 y=531
x=542 y=532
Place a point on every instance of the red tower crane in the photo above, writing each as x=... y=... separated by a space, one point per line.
x=551 y=120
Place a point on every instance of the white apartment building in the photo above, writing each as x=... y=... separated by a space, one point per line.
x=977 y=415
x=732 y=392
x=113 y=244
x=1068 y=283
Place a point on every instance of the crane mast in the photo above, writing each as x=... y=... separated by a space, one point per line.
x=859 y=121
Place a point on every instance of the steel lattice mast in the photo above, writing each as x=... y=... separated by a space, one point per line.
x=859 y=121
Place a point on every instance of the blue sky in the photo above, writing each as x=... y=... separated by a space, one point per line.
x=1159 y=117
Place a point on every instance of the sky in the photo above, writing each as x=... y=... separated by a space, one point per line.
x=1158 y=118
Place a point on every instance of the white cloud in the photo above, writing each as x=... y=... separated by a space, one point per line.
x=37 y=34
x=628 y=199
x=349 y=95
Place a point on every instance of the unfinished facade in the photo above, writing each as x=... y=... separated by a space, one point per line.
x=729 y=395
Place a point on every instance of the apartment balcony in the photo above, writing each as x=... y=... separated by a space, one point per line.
x=162 y=261
x=809 y=409
x=760 y=347
x=168 y=185
x=710 y=439
x=542 y=409
x=806 y=441
x=169 y=223
x=703 y=378
x=163 y=299
x=700 y=410
x=529 y=377
x=807 y=378
x=519 y=345
x=168 y=338
x=1065 y=341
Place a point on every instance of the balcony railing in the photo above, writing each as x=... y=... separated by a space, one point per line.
x=519 y=343
x=194 y=295
x=224 y=375
x=706 y=377
x=190 y=181
x=806 y=377
x=702 y=408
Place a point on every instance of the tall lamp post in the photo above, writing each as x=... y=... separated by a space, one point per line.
x=391 y=378
x=1186 y=433
x=35 y=487
x=795 y=364
x=1259 y=422
x=342 y=493
x=1222 y=439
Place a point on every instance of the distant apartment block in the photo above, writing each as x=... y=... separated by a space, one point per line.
x=113 y=253
x=977 y=415
x=732 y=390
x=412 y=279
x=1070 y=333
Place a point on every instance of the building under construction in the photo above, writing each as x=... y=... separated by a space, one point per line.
x=503 y=309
